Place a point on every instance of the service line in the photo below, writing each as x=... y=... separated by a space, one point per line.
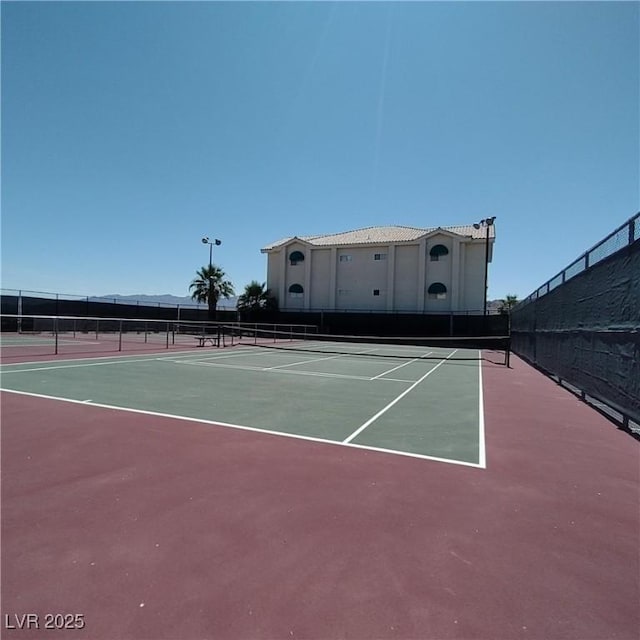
x=382 y=411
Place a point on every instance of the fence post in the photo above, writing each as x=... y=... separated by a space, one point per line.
x=19 y=311
x=120 y=337
x=55 y=330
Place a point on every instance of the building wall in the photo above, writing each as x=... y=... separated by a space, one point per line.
x=320 y=293
x=345 y=278
x=439 y=271
x=273 y=273
x=358 y=275
x=296 y=274
x=474 y=276
x=406 y=278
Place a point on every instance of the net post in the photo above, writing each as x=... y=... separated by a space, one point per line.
x=120 y=336
x=55 y=330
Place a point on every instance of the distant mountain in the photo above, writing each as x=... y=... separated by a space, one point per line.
x=166 y=298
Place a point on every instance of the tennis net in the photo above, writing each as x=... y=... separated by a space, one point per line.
x=493 y=348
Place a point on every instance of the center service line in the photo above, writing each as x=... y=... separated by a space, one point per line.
x=384 y=373
x=402 y=395
x=318 y=359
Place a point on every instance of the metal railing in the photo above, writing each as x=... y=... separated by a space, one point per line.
x=623 y=236
x=52 y=335
x=584 y=332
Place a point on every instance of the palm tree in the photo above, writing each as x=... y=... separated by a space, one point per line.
x=256 y=297
x=507 y=304
x=209 y=286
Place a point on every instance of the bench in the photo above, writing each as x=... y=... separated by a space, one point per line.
x=202 y=340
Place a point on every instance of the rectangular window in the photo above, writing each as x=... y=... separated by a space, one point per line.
x=294 y=294
x=437 y=296
x=345 y=258
x=379 y=256
x=376 y=292
x=344 y=292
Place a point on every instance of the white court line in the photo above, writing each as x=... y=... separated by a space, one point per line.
x=373 y=354
x=124 y=357
x=317 y=359
x=482 y=449
x=382 y=411
x=367 y=447
x=196 y=363
x=76 y=366
x=242 y=428
x=384 y=373
x=320 y=374
x=108 y=360
x=87 y=362
x=208 y=357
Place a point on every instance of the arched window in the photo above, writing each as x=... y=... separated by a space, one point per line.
x=437 y=252
x=295 y=257
x=296 y=291
x=437 y=291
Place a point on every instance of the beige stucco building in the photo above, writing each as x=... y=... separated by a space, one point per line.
x=382 y=269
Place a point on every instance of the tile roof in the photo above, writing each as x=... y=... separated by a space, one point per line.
x=380 y=235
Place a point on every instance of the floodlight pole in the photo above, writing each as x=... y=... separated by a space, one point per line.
x=486 y=223
x=205 y=240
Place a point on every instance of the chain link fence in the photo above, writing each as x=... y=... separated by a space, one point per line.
x=582 y=327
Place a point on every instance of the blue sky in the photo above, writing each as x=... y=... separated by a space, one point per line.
x=130 y=130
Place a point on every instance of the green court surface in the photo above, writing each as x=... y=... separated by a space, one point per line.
x=429 y=408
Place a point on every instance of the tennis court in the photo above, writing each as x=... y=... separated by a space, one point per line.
x=424 y=402
x=276 y=489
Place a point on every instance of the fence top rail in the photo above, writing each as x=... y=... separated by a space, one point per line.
x=631 y=223
x=624 y=225
x=23 y=316
x=163 y=322
x=248 y=323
